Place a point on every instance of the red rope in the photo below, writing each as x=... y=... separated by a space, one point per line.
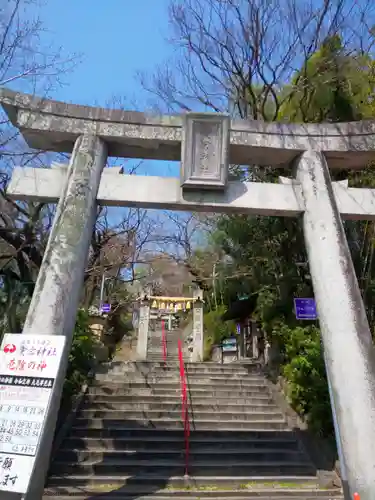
x=184 y=404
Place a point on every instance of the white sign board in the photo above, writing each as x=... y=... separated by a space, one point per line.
x=28 y=368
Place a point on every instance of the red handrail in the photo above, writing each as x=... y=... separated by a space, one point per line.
x=185 y=408
x=164 y=341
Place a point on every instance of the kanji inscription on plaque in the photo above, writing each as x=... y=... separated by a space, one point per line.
x=205 y=146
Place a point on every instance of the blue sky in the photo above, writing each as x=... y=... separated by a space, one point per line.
x=116 y=38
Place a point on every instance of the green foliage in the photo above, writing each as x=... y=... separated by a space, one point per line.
x=303 y=367
x=215 y=329
x=81 y=355
x=14 y=302
x=267 y=256
x=331 y=86
x=120 y=326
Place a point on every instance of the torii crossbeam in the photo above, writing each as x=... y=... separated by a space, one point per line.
x=205 y=144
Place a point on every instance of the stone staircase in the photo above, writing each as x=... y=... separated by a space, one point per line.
x=155 y=348
x=128 y=442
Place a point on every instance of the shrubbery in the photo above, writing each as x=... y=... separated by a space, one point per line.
x=302 y=365
x=81 y=356
x=215 y=329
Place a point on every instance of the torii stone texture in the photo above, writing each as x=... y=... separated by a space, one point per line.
x=143 y=327
x=55 y=126
x=57 y=291
x=348 y=345
x=253 y=198
x=347 y=340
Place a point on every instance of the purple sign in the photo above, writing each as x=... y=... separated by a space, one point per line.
x=106 y=308
x=305 y=309
x=238 y=328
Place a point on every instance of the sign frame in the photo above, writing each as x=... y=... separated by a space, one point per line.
x=29 y=366
x=305 y=308
x=227 y=346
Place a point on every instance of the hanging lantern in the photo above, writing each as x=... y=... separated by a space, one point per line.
x=162 y=305
x=154 y=304
x=178 y=306
x=188 y=305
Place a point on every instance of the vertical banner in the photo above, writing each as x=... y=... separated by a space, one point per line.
x=28 y=368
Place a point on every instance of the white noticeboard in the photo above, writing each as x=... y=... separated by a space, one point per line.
x=28 y=368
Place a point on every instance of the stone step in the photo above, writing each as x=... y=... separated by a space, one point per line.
x=156 y=442
x=151 y=378
x=175 y=466
x=269 y=491
x=212 y=495
x=212 y=384
x=212 y=455
x=206 y=406
x=235 y=366
x=170 y=392
x=161 y=367
x=175 y=399
x=151 y=415
x=148 y=434
x=173 y=423
x=157 y=344
x=169 y=337
x=172 y=350
x=173 y=375
x=158 y=337
x=160 y=357
x=152 y=483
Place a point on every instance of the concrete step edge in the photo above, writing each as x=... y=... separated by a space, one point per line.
x=199 y=494
x=215 y=494
x=156 y=478
x=234 y=451
x=202 y=403
x=213 y=464
x=196 y=420
x=177 y=412
x=264 y=405
x=264 y=490
x=192 y=440
x=175 y=397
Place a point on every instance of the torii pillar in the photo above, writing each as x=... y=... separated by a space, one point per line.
x=206 y=143
x=143 y=325
x=198 y=337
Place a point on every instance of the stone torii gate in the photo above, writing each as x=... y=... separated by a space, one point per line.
x=197 y=330
x=206 y=144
